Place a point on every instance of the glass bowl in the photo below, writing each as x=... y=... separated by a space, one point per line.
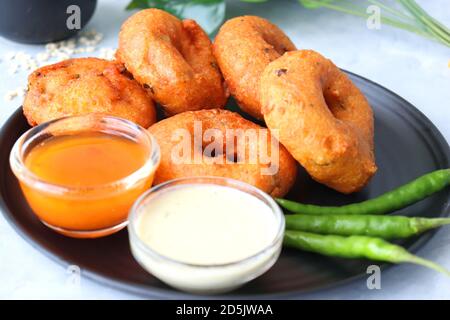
x=84 y=211
x=201 y=278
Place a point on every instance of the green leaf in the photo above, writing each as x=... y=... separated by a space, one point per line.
x=208 y=13
x=137 y=4
x=254 y=1
x=313 y=4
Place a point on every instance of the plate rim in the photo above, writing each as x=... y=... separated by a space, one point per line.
x=163 y=293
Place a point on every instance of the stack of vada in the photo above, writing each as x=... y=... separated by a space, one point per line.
x=320 y=118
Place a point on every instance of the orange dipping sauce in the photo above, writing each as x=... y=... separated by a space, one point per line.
x=84 y=184
x=86 y=159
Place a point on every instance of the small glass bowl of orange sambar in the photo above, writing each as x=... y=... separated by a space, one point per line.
x=81 y=174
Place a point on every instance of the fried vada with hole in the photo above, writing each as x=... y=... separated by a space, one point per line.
x=186 y=142
x=243 y=47
x=323 y=119
x=173 y=60
x=85 y=85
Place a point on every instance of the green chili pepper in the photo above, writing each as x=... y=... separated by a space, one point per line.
x=401 y=197
x=355 y=247
x=386 y=227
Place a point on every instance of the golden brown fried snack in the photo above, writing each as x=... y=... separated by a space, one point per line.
x=227 y=162
x=173 y=60
x=323 y=119
x=243 y=47
x=79 y=86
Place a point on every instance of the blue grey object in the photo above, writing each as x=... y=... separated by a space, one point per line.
x=42 y=21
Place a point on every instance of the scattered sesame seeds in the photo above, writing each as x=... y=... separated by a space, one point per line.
x=12 y=69
x=10 y=55
x=10 y=95
x=42 y=56
x=18 y=92
x=107 y=53
x=90 y=49
x=86 y=42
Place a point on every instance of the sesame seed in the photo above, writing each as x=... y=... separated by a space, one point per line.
x=86 y=42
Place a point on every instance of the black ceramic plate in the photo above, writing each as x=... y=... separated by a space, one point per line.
x=407 y=146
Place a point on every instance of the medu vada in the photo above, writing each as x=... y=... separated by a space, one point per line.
x=243 y=47
x=173 y=61
x=85 y=85
x=322 y=118
x=273 y=170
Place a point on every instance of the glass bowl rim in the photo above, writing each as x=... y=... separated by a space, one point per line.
x=25 y=175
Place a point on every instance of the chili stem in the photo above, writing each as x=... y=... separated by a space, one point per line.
x=355 y=247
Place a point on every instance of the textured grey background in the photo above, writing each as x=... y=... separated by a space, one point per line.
x=415 y=68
